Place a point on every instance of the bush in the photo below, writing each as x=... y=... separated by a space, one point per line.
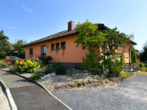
x=125 y=74
x=90 y=63
x=71 y=71
x=100 y=79
x=28 y=66
x=46 y=69
x=60 y=69
x=79 y=83
x=46 y=59
x=114 y=66
x=3 y=64
x=144 y=69
x=145 y=65
x=36 y=76
x=12 y=70
x=141 y=65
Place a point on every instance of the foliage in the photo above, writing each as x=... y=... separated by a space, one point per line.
x=18 y=50
x=125 y=74
x=144 y=69
x=60 y=69
x=12 y=70
x=141 y=64
x=54 y=67
x=47 y=59
x=46 y=69
x=28 y=66
x=102 y=46
x=143 y=54
x=115 y=66
x=91 y=63
x=36 y=76
x=4 y=64
x=133 y=55
x=71 y=71
x=4 y=45
x=100 y=79
x=79 y=83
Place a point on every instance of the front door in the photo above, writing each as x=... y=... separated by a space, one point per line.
x=43 y=51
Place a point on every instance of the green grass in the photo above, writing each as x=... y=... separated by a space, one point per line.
x=125 y=74
x=100 y=79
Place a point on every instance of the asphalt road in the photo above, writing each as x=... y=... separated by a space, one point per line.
x=29 y=96
x=129 y=95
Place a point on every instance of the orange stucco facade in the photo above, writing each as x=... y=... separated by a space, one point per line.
x=71 y=54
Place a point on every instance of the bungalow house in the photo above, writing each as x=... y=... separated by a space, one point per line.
x=62 y=49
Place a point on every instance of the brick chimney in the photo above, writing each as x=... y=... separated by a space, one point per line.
x=71 y=25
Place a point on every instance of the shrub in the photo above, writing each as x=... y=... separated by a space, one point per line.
x=32 y=66
x=125 y=74
x=90 y=63
x=71 y=71
x=3 y=64
x=115 y=66
x=12 y=70
x=141 y=65
x=145 y=65
x=59 y=69
x=46 y=69
x=36 y=76
x=144 y=69
x=46 y=59
x=79 y=83
x=28 y=66
x=100 y=78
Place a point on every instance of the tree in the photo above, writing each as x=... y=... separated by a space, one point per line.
x=19 y=51
x=102 y=47
x=143 y=55
x=113 y=59
x=4 y=45
x=90 y=39
x=133 y=55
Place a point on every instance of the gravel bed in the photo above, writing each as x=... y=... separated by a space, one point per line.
x=129 y=95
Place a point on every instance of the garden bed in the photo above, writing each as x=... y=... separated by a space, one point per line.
x=64 y=82
x=76 y=80
x=57 y=83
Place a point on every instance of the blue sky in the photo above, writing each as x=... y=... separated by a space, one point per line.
x=33 y=19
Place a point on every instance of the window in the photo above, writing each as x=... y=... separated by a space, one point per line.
x=63 y=45
x=43 y=51
x=57 y=46
x=31 y=52
x=52 y=46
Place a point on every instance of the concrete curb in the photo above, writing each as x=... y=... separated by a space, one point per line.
x=43 y=87
x=8 y=95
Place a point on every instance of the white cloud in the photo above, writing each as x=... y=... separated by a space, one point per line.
x=27 y=9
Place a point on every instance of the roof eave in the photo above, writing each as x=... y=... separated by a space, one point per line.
x=50 y=39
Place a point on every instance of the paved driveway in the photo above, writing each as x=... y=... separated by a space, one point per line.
x=29 y=96
x=129 y=95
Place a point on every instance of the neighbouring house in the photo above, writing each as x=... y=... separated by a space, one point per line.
x=62 y=49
